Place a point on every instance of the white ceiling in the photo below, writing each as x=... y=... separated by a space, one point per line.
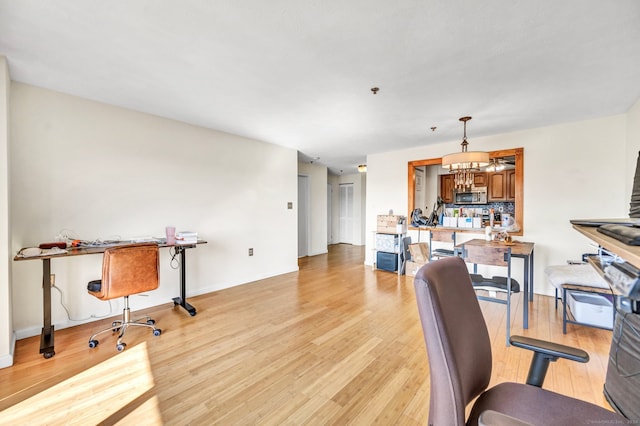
x=298 y=73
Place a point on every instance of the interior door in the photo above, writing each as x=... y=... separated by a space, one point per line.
x=346 y=213
x=303 y=216
x=329 y=213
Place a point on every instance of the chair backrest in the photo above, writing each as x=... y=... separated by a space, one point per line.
x=406 y=242
x=483 y=255
x=445 y=236
x=442 y=236
x=129 y=269
x=456 y=336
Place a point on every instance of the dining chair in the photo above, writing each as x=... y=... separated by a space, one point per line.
x=490 y=289
x=447 y=237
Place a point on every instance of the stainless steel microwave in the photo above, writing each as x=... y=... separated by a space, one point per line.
x=473 y=196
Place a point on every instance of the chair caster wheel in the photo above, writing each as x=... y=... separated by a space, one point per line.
x=151 y=322
x=120 y=346
x=48 y=355
x=93 y=343
x=192 y=313
x=115 y=324
x=157 y=332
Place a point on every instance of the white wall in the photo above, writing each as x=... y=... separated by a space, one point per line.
x=99 y=171
x=573 y=170
x=6 y=323
x=633 y=145
x=317 y=206
x=359 y=181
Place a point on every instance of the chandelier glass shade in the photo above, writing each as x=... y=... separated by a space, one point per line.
x=463 y=164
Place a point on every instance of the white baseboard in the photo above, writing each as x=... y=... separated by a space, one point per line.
x=7 y=360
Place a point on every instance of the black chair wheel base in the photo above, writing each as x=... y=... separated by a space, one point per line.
x=157 y=332
x=93 y=343
x=151 y=322
x=120 y=346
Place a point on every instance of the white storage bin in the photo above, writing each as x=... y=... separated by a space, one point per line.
x=388 y=242
x=465 y=222
x=591 y=308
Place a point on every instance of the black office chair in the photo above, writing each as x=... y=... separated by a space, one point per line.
x=460 y=361
x=126 y=270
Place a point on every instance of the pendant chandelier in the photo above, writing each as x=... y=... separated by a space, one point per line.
x=464 y=164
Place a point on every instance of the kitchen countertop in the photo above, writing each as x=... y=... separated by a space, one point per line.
x=456 y=229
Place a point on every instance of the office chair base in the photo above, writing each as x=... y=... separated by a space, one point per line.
x=121 y=326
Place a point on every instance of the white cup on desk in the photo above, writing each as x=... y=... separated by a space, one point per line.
x=171 y=234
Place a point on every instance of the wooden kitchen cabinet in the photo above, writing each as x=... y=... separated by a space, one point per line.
x=447 y=184
x=480 y=179
x=511 y=185
x=501 y=186
x=497 y=186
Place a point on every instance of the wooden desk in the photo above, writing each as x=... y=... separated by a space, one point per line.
x=629 y=253
x=47 y=334
x=522 y=250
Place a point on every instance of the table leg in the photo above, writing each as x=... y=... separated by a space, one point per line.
x=182 y=300
x=46 y=336
x=531 y=278
x=525 y=309
x=564 y=310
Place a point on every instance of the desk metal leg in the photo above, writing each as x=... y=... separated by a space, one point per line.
x=46 y=336
x=182 y=300
x=525 y=309
x=564 y=310
x=531 y=277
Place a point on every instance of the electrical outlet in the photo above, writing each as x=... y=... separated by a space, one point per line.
x=250 y=252
x=290 y=205
x=52 y=280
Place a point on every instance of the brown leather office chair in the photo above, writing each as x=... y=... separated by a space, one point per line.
x=126 y=270
x=460 y=361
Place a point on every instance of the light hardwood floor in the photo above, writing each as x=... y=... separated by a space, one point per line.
x=335 y=343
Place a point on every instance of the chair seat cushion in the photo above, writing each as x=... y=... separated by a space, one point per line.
x=94 y=286
x=508 y=398
x=496 y=282
x=584 y=275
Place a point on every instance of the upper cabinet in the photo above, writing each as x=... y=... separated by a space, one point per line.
x=502 y=185
x=447 y=184
x=511 y=185
x=480 y=179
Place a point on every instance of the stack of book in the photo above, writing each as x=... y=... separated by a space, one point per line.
x=186 y=237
